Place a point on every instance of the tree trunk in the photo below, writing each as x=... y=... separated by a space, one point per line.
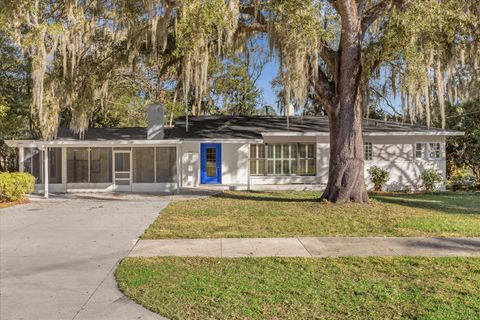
x=343 y=99
x=346 y=180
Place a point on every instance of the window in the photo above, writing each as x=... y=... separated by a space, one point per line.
x=306 y=158
x=368 y=151
x=282 y=159
x=166 y=165
x=420 y=150
x=257 y=159
x=33 y=163
x=100 y=165
x=77 y=165
x=434 y=151
x=143 y=165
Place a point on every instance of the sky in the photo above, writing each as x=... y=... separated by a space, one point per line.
x=270 y=71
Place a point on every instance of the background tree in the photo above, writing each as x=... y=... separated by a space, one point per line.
x=235 y=89
x=14 y=101
x=463 y=152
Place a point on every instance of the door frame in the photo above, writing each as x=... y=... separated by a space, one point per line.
x=203 y=163
x=122 y=187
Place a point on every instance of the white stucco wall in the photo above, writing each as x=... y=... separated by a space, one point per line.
x=235 y=163
x=396 y=154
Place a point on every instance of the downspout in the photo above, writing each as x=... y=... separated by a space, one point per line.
x=248 y=167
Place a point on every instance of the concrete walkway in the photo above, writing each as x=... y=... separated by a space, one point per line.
x=309 y=247
x=58 y=256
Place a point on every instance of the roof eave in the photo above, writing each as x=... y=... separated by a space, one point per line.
x=378 y=133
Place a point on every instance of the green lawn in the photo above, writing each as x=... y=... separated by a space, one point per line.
x=289 y=214
x=298 y=288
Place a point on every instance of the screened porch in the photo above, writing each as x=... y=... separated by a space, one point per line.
x=137 y=169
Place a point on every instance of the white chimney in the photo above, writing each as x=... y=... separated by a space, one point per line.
x=155 y=122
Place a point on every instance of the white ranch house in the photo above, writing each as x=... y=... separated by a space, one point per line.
x=258 y=152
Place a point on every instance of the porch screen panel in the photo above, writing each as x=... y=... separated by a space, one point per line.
x=55 y=165
x=101 y=165
x=33 y=163
x=143 y=165
x=77 y=165
x=166 y=164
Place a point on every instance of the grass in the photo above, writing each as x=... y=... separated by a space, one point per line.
x=290 y=214
x=299 y=288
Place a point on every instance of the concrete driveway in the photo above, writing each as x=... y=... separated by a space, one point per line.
x=58 y=256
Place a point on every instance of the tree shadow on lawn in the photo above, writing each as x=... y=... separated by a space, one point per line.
x=260 y=196
x=444 y=202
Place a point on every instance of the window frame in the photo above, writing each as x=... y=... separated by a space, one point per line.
x=257 y=159
x=307 y=158
x=282 y=158
x=368 y=152
x=424 y=151
x=427 y=151
x=439 y=151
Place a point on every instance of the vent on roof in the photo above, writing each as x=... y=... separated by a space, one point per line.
x=155 y=122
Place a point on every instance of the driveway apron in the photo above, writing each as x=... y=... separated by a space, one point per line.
x=58 y=257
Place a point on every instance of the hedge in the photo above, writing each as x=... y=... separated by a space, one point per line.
x=15 y=185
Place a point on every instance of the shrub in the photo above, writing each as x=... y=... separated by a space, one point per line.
x=462 y=180
x=430 y=178
x=379 y=177
x=15 y=185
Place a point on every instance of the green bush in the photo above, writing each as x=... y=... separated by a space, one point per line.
x=462 y=180
x=430 y=178
x=15 y=185
x=379 y=177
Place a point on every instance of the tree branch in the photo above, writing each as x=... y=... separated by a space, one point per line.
x=324 y=88
x=376 y=11
x=328 y=55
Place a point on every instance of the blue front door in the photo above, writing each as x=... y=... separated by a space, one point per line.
x=211 y=163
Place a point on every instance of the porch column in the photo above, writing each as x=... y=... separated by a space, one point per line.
x=248 y=167
x=21 y=159
x=64 y=169
x=178 y=155
x=45 y=171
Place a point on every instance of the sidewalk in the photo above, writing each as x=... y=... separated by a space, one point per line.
x=309 y=247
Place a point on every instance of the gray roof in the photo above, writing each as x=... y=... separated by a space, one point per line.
x=104 y=134
x=251 y=127
x=240 y=127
